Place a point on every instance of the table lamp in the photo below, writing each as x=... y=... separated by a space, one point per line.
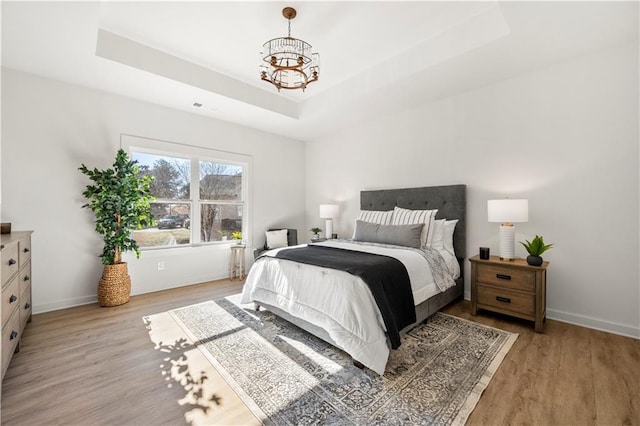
x=328 y=212
x=507 y=211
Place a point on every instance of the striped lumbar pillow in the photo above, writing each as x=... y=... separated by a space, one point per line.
x=376 y=216
x=409 y=217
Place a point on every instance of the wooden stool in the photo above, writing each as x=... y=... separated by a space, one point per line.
x=236 y=267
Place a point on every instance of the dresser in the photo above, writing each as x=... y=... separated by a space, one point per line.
x=15 y=255
x=509 y=287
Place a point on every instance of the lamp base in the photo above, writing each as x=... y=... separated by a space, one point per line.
x=328 y=229
x=507 y=242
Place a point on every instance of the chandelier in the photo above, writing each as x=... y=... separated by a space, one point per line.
x=291 y=64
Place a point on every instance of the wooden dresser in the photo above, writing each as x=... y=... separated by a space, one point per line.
x=15 y=255
x=509 y=287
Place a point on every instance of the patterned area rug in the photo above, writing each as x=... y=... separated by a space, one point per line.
x=288 y=377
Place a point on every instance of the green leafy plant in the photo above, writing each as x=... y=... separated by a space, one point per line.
x=120 y=199
x=315 y=231
x=237 y=235
x=537 y=246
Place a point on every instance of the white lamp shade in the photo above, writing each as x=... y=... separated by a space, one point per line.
x=508 y=210
x=328 y=211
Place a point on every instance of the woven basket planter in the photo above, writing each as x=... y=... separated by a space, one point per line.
x=114 y=287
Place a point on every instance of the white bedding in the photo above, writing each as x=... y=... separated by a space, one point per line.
x=319 y=295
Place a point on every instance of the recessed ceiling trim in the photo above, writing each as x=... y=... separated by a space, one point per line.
x=128 y=52
x=473 y=33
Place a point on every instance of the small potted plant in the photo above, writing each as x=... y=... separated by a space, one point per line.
x=535 y=248
x=237 y=235
x=316 y=233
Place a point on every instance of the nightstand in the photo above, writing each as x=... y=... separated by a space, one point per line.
x=510 y=287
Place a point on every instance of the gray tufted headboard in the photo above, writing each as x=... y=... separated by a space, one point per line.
x=450 y=200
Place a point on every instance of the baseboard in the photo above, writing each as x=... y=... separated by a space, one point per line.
x=193 y=281
x=86 y=300
x=63 y=304
x=594 y=323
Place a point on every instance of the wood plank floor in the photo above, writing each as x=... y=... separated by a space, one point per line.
x=90 y=365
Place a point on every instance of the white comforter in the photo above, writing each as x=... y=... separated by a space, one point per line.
x=321 y=297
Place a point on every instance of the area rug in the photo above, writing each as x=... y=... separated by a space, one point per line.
x=288 y=377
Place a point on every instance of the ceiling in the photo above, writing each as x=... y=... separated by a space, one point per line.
x=376 y=57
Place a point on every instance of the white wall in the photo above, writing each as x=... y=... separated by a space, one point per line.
x=565 y=137
x=49 y=128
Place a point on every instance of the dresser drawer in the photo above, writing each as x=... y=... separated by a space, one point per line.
x=10 y=338
x=24 y=250
x=10 y=299
x=501 y=299
x=25 y=277
x=9 y=256
x=25 y=307
x=504 y=276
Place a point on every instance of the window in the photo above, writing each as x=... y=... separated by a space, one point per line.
x=215 y=215
x=220 y=189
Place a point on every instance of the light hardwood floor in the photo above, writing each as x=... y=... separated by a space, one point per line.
x=91 y=365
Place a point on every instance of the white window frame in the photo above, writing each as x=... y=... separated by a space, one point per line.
x=196 y=154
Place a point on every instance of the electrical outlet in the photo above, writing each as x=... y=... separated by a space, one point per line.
x=160 y=266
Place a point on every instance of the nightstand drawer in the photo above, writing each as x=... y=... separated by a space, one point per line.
x=504 y=276
x=507 y=300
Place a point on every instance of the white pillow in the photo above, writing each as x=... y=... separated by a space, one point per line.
x=376 y=216
x=438 y=235
x=409 y=217
x=449 y=227
x=277 y=239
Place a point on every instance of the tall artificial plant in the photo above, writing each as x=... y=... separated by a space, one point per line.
x=121 y=201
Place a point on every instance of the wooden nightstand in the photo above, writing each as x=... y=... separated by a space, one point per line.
x=509 y=287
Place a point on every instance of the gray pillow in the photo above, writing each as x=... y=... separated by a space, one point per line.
x=400 y=235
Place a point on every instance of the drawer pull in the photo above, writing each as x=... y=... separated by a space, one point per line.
x=26 y=250
x=503 y=276
x=13 y=298
x=503 y=299
x=12 y=262
x=27 y=305
x=13 y=335
x=26 y=278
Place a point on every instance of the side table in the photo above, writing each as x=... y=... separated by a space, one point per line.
x=510 y=287
x=236 y=266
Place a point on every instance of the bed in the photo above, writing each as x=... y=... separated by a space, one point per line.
x=290 y=289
